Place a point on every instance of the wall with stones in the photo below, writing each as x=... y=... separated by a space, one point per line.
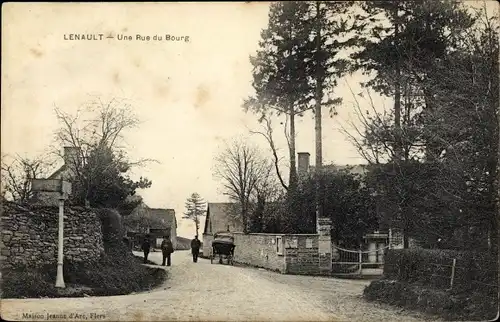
x=301 y=254
x=29 y=235
x=259 y=250
x=289 y=254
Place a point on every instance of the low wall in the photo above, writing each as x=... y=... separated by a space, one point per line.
x=301 y=254
x=29 y=235
x=258 y=250
x=288 y=254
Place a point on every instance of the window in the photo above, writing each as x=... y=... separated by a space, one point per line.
x=279 y=245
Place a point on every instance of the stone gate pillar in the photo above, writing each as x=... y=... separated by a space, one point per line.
x=323 y=227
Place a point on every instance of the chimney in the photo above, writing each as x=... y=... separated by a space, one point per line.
x=71 y=155
x=303 y=164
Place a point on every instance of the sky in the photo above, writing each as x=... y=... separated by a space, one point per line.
x=188 y=95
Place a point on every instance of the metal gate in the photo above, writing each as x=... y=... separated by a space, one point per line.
x=348 y=262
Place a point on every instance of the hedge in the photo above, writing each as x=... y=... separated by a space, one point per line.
x=466 y=306
x=433 y=267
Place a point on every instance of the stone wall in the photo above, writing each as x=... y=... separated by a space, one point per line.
x=259 y=250
x=288 y=254
x=301 y=254
x=29 y=235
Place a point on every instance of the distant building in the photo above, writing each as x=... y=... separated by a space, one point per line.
x=71 y=157
x=304 y=169
x=157 y=222
x=221 y=216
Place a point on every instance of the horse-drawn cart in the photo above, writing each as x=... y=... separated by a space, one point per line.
x=223 y=245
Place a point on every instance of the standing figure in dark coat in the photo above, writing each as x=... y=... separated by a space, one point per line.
x=195 y=248
x=167 y=249
x=146 y=246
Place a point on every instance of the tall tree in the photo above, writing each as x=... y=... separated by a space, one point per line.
x=330 y=25
x=400 y=43
x=296 y=69
x=279 y=77
x=195 y=208
x=466 y=100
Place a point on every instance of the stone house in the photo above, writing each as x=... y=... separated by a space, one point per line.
x=66 y=172
x=373 y=240
x=158 y=222
x=71 y=156
x=304 y=169
x=221 y=216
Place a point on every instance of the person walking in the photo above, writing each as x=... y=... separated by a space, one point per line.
x=167 y=249
x=146 y=246
x=195 y=248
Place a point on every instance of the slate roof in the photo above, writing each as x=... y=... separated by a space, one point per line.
x=220 y=215
x=360 y=169
x=167 y=216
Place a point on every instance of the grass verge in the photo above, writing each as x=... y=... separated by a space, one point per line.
x=451 y=306
x=109 y=276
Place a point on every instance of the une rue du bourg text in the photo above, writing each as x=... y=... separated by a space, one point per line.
x=122 y=37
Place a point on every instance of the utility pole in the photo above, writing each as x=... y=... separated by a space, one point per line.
x=57 y=190
x=60 y=255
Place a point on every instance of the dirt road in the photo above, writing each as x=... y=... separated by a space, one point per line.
x=209 y=292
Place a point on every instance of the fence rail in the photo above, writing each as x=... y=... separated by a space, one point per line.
x=451 y=275
x=352 y=262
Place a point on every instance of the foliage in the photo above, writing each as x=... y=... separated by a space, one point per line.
x=405 y=37
x=441 y=139
x=111 y=226
x=344 y=199
x=195 y=208
x=112 y=186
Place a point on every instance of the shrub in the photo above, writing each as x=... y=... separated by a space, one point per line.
x=112 y=225
x=22 y=283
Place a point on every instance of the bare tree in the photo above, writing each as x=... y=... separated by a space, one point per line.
x=97 y=130
x=243 y=173
x=17 y=175
x=267 y=133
